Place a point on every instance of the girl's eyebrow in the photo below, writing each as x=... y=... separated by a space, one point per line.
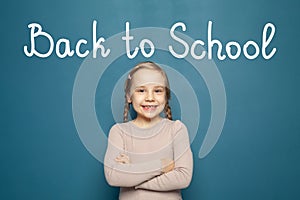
x=140 y=86
x=155 y=87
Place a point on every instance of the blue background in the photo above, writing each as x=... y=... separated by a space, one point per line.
x=257 y=155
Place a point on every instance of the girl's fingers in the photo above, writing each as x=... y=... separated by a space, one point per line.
x=122 y=161
x=122 y=158
x=123 y=155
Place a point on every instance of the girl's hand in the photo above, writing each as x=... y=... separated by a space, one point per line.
x=167 y=165
x=123 y=159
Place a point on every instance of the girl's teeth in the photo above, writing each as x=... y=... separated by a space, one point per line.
x=149 y=107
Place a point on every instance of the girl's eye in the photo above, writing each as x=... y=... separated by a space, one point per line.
x=159 y=90
x=140 y=90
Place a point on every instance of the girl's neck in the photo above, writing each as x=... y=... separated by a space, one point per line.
x=146 y=122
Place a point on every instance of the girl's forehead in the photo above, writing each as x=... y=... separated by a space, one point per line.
x=146 y=76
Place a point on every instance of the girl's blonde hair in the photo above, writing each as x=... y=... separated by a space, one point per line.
x=128 y=84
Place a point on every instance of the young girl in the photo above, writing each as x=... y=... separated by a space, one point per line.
x=150 y=156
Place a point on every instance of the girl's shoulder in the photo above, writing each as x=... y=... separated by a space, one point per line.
x=118 y=130
x=120 y=126
x=176 y=125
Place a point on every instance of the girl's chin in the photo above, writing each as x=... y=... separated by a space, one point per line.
x=149 y=116
x=149 y=120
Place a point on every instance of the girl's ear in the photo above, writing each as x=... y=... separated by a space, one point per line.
x=128 y=98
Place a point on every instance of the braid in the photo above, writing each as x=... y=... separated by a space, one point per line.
x=168 y=112
x=126 y=110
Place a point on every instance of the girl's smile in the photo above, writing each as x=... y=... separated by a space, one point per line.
x=149 y=107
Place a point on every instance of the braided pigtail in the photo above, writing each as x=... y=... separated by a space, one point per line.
x=127 y=104
x=168 y=112
x=126 y=111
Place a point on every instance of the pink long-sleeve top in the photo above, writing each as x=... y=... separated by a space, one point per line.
x=142 y=178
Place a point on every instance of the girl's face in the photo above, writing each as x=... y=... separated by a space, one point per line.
x=148 y=94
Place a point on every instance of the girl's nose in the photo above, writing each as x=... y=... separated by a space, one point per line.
x=149 y=96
